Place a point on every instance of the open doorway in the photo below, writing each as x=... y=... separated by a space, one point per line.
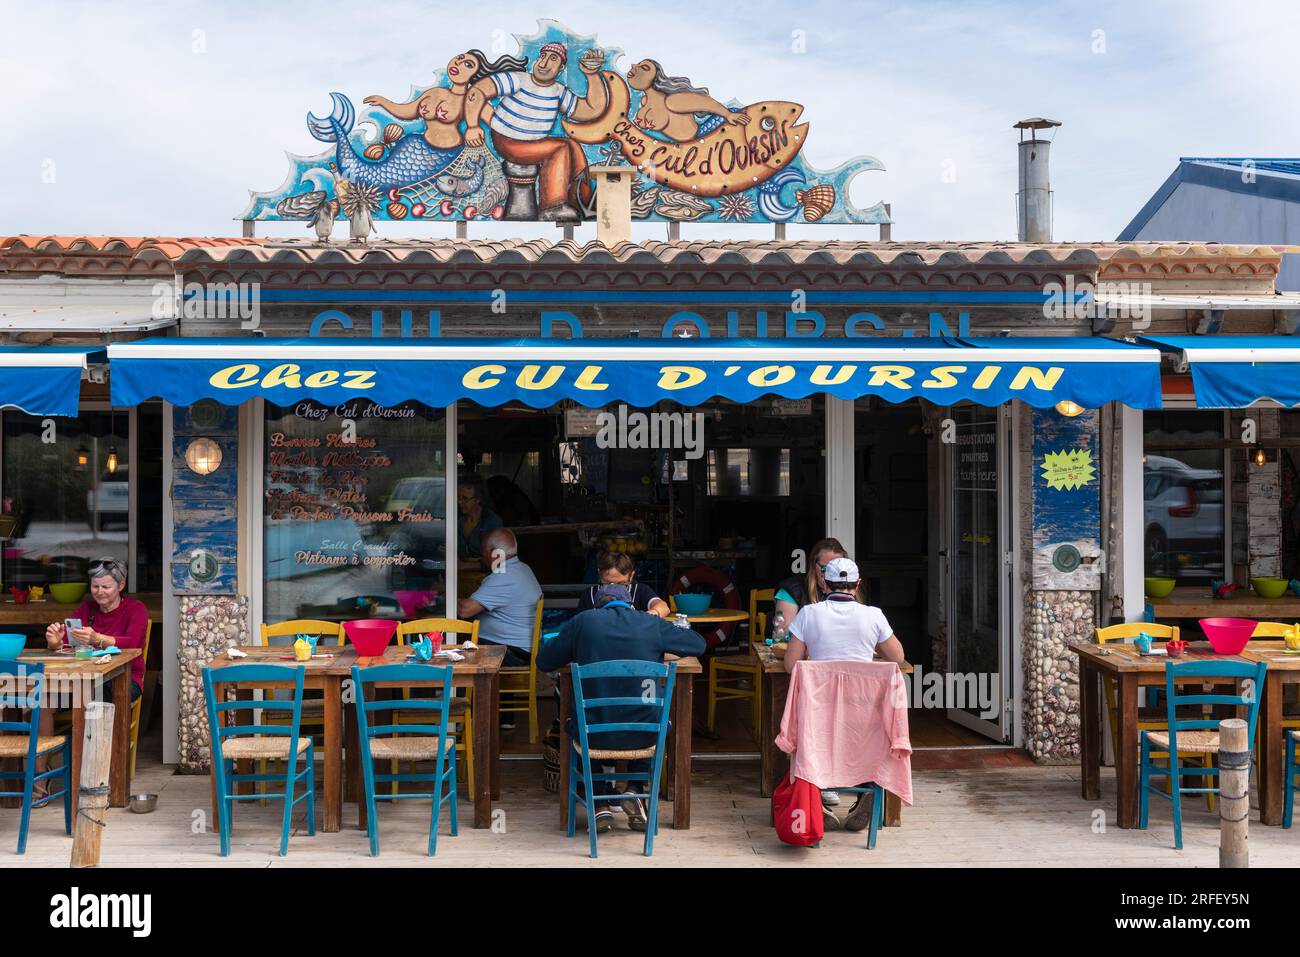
x=931 y=537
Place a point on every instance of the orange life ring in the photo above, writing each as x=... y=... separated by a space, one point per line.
x=721 y=585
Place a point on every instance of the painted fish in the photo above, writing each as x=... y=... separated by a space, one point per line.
x=462 y=184
x=410 y=160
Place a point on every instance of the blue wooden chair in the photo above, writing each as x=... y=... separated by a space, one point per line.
x=259 y=742
x=28 y=743
x=412 y=739
x=877 y=808
x=642 y=689
x=1197 y=735
x=1288 y=777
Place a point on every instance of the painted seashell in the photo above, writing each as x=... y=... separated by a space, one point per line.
x=397 y=210
x=816 y=202
x=375 y=151
x=393 y=132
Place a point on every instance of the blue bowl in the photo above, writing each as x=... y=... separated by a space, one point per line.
x=689 y=604
x=11 y=645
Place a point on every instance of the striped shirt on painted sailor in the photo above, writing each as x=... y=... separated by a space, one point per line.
x=527 y=110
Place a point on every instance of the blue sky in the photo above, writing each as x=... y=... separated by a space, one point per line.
x=147 y=134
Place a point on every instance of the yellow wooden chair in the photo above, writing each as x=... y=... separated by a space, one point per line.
x=727 y=672
x=519 y=684
x=313 y=709
x=1126 y=632
x=137 y=705
x=462 y=710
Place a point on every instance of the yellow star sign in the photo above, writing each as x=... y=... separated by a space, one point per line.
x=1068 y=470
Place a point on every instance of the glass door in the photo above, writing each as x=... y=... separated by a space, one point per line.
x=978 y=571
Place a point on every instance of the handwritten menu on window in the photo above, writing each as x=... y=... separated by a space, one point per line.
x=357 y=490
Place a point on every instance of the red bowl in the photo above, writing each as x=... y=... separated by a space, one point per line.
x=1228 y=635
x=370 y=636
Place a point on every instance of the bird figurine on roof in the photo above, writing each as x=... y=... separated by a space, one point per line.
x=315 y=207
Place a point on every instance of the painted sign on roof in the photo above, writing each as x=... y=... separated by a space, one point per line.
x=514 y=136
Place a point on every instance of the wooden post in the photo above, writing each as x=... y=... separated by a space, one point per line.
x=92 y=800
x=1234 y=793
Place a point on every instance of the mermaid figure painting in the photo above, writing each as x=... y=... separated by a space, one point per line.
x=674 y=107
x=412 y=157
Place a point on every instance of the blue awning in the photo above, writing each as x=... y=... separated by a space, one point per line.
x=45 y=380
x=640 y=372
x=1233 y=372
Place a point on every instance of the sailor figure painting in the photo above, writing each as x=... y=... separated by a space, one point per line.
x=522 y=120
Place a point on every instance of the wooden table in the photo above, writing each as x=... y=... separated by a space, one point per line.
x=677 y=767
x=49 y=611
x=775 y=762
x=79 y=677
x=1130 y=671
x=1194 y=601
x=480 y=670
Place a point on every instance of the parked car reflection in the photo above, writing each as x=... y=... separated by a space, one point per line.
x=1184 y=519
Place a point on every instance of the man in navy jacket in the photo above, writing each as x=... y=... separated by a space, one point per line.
x=615 y=631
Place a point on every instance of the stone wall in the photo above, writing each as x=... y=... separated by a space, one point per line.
x=209 y=625
x=1053 y=621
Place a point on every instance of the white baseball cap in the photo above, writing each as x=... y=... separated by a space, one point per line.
x=842 y=571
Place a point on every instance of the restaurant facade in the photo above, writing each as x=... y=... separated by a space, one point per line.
x=1007 y=437
x=981 y=437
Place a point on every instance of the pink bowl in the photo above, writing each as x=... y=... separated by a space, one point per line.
x=370 y=636
x=1228 y=635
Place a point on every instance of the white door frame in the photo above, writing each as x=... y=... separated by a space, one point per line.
x=1006 y=728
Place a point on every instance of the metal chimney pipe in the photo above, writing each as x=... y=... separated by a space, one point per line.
x=1034 y=198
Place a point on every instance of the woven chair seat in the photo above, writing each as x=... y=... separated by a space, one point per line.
x=414 y=748
x=1188 y=741
x=613 y=754
x=16 y=745
x=271 y=748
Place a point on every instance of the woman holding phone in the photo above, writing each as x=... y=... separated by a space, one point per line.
x=108 y=617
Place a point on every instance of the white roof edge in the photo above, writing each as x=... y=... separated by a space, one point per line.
x=596 y=350
x=1283 y=301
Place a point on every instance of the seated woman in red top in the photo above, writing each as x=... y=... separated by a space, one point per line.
x=108 y=617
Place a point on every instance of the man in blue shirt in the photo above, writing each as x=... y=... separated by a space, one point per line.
x=506 y=603
x=615 y=631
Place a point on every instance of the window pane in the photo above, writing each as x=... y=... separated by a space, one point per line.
x=71 y=507
x=1184 y=498
x=355 y=530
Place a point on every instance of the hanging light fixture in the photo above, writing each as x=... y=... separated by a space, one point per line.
x=83 y=456
x=1260 y=457
x=1068 y=408
x=111 y=462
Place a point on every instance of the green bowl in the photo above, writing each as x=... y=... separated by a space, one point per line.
x=1158 y=587
x=68 y=593
x=1269 y=587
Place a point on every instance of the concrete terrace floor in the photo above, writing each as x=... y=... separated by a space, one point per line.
x=1013 y=817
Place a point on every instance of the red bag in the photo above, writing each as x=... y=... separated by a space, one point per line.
x=797 y=812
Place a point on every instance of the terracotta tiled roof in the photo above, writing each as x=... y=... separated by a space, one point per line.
x=763 y=252
x=126 y=256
